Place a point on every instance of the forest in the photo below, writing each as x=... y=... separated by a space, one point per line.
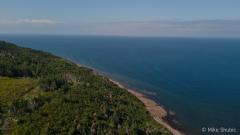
x=45 y=94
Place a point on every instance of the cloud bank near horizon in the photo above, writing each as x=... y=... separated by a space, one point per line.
x=202 y=28
x=198 y=28
x=41 y=21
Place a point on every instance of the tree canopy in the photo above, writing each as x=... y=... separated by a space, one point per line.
x=50 y=95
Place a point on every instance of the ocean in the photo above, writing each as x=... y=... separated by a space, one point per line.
x=198 y=79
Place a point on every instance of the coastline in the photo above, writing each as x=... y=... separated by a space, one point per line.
x=157 y=112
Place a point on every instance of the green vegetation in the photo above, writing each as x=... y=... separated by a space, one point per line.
x=45 y=94
x=14 y=88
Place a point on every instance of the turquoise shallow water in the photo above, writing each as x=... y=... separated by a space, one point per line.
x=198 y=79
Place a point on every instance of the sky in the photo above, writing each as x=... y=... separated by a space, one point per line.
x=151 y=18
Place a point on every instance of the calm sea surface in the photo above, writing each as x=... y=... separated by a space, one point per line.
x=198 y=79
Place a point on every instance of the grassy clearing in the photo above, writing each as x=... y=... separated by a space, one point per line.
x=14 y=88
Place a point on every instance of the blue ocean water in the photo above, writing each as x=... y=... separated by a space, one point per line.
x=198 y=79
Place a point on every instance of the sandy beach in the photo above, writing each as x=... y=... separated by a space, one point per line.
x=156 y=111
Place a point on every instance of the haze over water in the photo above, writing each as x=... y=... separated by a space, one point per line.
x=198 y=79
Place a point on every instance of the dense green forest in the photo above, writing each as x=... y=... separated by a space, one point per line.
x=44 y=94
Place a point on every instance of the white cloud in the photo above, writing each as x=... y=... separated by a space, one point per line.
x=22 y=21
x=197 y=28
x=45 y=21
x=6 y=22
x=41 y=21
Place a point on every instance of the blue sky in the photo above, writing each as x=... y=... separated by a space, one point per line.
x=161 y=18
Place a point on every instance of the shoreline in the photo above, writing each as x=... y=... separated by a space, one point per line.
x=157 y=112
